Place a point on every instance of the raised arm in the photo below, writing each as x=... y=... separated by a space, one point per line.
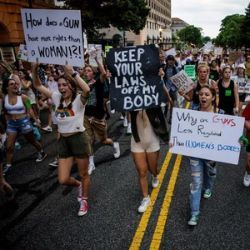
x=37 y=83
x=80 y=82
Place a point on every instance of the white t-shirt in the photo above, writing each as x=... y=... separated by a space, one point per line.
x=69 y=120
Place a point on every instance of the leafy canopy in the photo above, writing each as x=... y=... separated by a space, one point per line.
x=190 y=34
x=122 y=14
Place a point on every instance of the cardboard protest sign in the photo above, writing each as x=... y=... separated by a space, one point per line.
x=53 y=36
x=135 y=81
x=234 y=56
x=95 y=50
x=218 y=51
x=206 y=135
x=190 y=71
x=182 y=81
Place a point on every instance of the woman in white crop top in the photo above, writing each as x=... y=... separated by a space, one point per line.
x=73 y=143
x=17 y=109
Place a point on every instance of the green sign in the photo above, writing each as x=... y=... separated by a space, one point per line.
x=107 y=48
x=190 y=71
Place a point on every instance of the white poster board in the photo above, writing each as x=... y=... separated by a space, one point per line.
x=218 y=51
x=206 y=135
x=171 y=52
x=53 y=36
x=183 y=82
x=95 y=50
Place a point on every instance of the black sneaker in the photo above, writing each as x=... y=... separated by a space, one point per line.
x=41 y=156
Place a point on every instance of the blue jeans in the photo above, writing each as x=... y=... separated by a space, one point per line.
x=203 y=173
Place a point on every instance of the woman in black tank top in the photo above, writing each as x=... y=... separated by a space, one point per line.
x=228 y=93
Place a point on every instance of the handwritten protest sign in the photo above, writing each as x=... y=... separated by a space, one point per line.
x=206 y=135
x=182 y=82
x=218 y=51
x=53 y=36
x=190 y=71
x=95 y=50
x=135 y=83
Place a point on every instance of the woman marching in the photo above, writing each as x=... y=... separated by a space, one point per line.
x=17 y=110
x=203 y=172
x=228 y=93
x=73 y=143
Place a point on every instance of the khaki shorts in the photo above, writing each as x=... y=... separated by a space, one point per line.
x=140 y=147
x=96 y=129
x=76 y=145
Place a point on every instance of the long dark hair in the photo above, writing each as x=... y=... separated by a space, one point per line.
x=72 y=86
x=213 y=92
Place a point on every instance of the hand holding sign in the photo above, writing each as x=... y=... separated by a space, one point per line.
x=183 y=83
x=135 y=81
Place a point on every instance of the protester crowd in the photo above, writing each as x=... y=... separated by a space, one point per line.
x=76 y=98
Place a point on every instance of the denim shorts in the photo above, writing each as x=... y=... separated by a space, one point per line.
x=76 y=145
x=22 y=126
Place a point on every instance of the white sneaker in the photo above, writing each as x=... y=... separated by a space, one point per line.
x=47 y=128
x=41 y=156
x=116 y=146
x=125 y=122
x=155 y=181
x=54 y=163
x=144 y=204
x=121 y=117
x=91 y=168
x=246 y=180
x=129 y=130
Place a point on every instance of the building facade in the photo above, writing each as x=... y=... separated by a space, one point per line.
x=177 y=25
x=11 y=30
x=156 y=31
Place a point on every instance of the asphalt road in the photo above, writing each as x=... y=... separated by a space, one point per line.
x=44 y=213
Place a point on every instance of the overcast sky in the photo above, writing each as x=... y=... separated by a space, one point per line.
x=207 y=14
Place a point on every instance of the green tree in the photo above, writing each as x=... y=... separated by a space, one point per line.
x=122 y=14
x=230 y=31
x=190 y=34
x=245 y=29
x=206 y=39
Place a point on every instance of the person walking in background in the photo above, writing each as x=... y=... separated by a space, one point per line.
x=241 y=80
x=228 y=93
x=94 y=120
x=247 y=66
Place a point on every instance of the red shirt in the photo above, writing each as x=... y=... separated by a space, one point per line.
x=246 y=114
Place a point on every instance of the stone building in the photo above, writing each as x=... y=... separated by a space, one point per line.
x=11 y=31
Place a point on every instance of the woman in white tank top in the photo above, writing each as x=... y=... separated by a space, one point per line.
x=17 y=109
